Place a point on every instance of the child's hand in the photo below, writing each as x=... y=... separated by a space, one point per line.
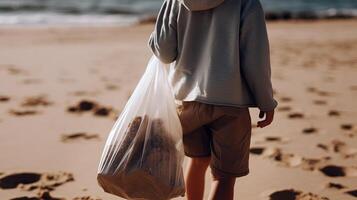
x=269 y=116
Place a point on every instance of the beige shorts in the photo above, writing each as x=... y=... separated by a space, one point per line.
x=220 y=132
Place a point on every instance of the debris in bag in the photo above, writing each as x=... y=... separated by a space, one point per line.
x=145 y=164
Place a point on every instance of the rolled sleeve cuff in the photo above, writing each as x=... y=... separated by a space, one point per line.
x=268 y=107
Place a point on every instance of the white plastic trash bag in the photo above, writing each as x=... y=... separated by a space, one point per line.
x=142 y=158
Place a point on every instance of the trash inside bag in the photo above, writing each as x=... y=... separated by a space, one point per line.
x=142 y=158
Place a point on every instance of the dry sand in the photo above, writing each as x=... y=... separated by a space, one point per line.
x=52 y=138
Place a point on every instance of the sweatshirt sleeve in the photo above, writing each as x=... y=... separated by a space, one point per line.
x=255 y=56
x=163 y=40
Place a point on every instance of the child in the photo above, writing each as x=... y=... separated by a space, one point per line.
x=222 y=68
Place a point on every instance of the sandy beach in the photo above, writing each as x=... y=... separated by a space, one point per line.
x=61 y=89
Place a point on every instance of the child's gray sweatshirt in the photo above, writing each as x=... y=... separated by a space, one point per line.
x=221 y=51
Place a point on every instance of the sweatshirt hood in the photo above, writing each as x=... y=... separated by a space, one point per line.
x=199 y=5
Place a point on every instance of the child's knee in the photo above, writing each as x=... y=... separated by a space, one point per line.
x=201 y=162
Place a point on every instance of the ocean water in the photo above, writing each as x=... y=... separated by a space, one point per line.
x=125 y=12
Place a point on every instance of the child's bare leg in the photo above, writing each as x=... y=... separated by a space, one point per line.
x=222 y=188
x=195 y=177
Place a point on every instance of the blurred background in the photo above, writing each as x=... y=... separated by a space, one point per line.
x=27 y=12
x=67 y=68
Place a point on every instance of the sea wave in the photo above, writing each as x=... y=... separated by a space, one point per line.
x=82 y=6
x=312 y=15
x=48 y=18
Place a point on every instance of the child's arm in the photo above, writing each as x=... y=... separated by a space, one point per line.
x=163 y=40
x=255 y=56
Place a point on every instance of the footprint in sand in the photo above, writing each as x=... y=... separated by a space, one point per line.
x=337 y=186
x=338 y=171
x=86 y=106
x=86 y=198
x=323 y=146
x=337 y=145
x=310 y=130
x=320 y=102
x=291 y=194
x=277 y=155
x=45 y=195
x=340 y=147
x=311 y=89
x=318 y=92
x=112 y=87
x=324 y=93
x=77 y=136
x=102 y=111
x=30 y=102
x=36 y=101
x=42 y=195
x=257 y=150
x=15 y=71
x=311 y=164
x=23 y=112
x=296 y=115
x=334 y=113
x=289 y=159
x=275 y=139
x=4 y=98
x=346 y=127
x=82 y=106
x=352 y=193
x=32 y=181
x=13 y=180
